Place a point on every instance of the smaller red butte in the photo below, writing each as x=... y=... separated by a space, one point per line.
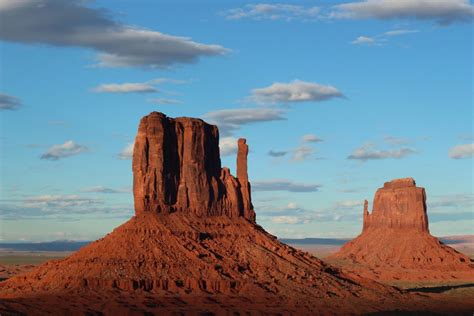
x=395 y=243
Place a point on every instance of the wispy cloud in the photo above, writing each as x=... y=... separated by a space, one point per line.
x=274 y=153
x=67 y=207
x=136 y=87
x=348 y=204
x=284 y=185
x=392 y=140
x=369 y=152
x=400 y=32
x=381 y=39
x=105 y=190
x=277 y=11
x=292 y=220
x=230 y=120
x=125 y=88
x=228 y=146
x=364 y=40
x=302 y=153
x=462 y=151
x=68 y=149
x=127 y=152
x=72 y=23
x=49 y=203
x=443 y=12
x=311 y=138
x=9 y=102
x=163 y=101
x=461 y=202
x=296 y=91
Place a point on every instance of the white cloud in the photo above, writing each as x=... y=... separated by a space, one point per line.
x=168 y=80
x=284 y=185
x=311 y=138
x=277 y=11
x=442 y=11
x=294 y=92
x=69 y=148
x=9 y=102
x=284 y=219
x=228 y=146
x=400 y=32
x=164 y=101
x=368 y=152
x=125 y=88
x=364 y=40
x=230 y=120
x=462 y=151
x=137 y=87
x=127 y=152
x=302 y=153
x=72 y=24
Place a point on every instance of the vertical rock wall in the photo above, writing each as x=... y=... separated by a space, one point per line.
x=177 y=167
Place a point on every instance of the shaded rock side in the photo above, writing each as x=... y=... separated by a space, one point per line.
x=177 y=167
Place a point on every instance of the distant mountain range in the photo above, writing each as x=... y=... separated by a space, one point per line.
x=71 y=245
x=57 y=245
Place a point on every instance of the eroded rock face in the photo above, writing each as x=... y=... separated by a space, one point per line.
x=398 y=205
x=177 y=168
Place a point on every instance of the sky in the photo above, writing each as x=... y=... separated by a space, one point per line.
x=335 y=98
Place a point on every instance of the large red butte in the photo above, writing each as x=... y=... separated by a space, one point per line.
x=177 y=168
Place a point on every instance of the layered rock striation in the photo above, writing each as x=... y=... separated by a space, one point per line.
x=395 y=242
x=177 y=168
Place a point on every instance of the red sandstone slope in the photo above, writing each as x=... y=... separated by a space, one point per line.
x=193 y=246
x=395 y=243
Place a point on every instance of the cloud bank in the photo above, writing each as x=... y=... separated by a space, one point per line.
x=72 y=24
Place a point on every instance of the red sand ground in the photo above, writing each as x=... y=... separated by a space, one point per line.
x=171 y=263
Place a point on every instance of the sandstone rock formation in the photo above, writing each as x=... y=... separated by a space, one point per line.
x=177 y=168
x=395 y=243
x=192 y=248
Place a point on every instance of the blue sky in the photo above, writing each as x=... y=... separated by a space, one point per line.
x=334 y=99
